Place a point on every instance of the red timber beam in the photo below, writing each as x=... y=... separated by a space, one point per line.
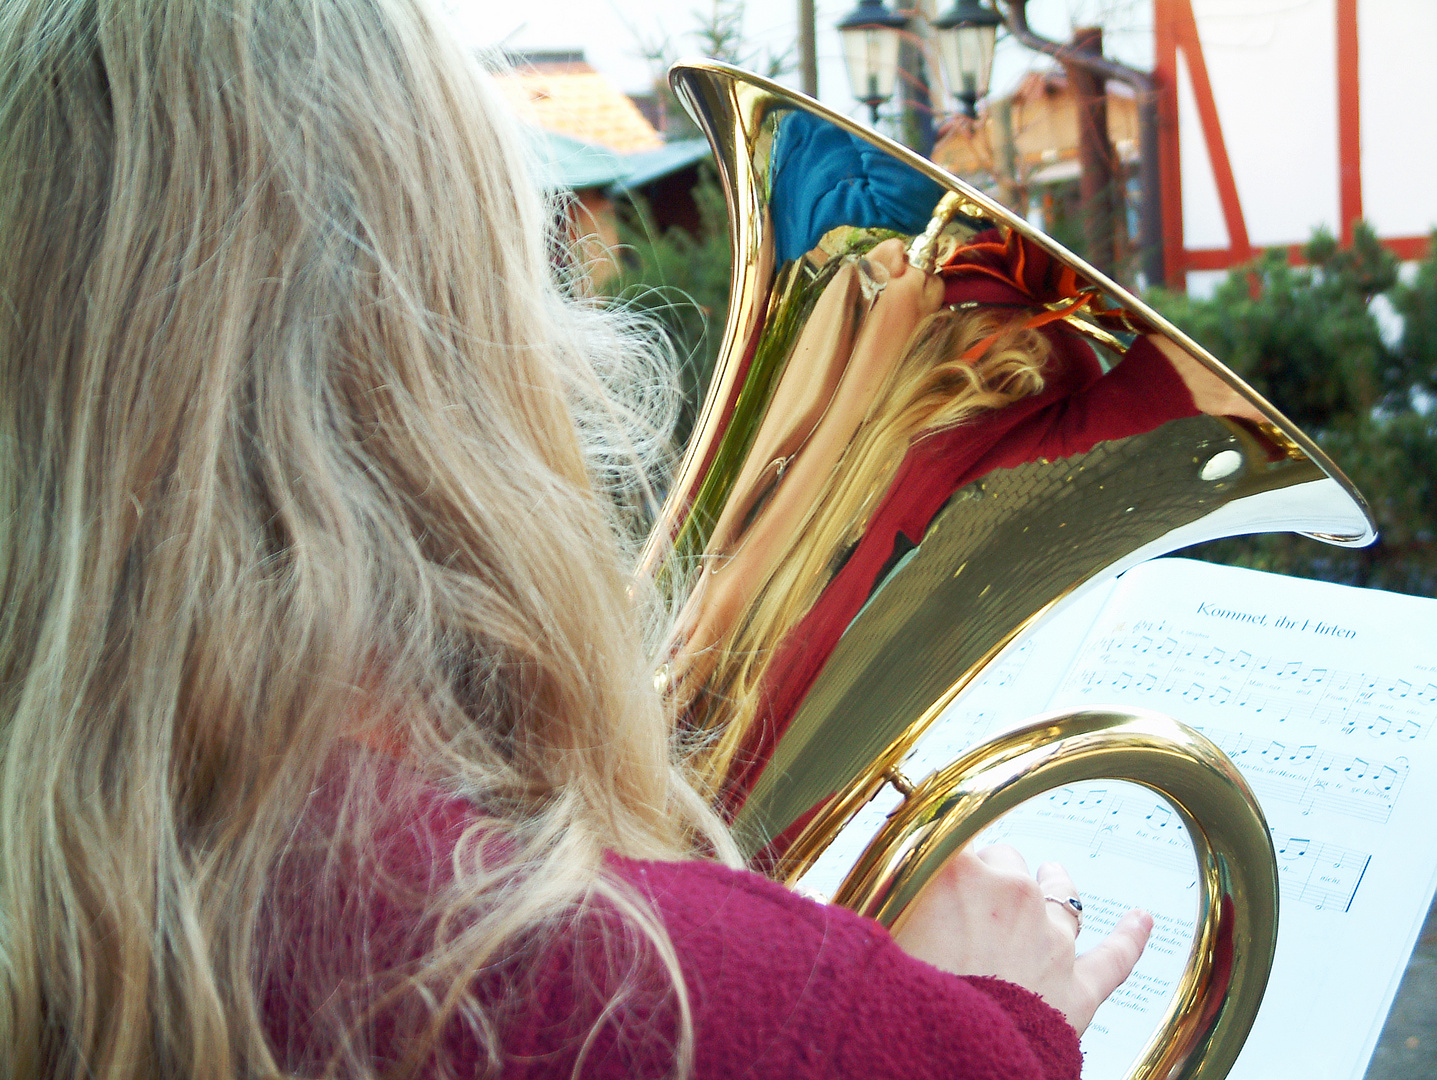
x=1349 y=120
x=1175 y=28
x=1165 y=78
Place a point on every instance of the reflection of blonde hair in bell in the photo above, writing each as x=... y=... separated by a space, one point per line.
x=933 y=387
x=289 y=476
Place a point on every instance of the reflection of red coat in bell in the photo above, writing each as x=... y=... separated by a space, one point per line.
x=1079 y=407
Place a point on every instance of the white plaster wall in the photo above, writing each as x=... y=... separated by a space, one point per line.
x=1203 y=283
x=1397 y=42
x=1203 y=223
x=1272 y=64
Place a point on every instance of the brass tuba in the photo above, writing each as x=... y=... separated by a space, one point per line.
x=930 y=427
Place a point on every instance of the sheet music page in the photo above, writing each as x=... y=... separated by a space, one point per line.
x=1325 y=697
x=1123 y=847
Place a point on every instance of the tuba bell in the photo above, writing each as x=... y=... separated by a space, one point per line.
x=931 y=427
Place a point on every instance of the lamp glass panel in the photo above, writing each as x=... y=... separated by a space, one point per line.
x=966 y=53
x=976 y=43
x=871 y=53
x=951 y=61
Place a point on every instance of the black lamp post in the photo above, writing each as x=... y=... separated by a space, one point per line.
x=967 y=34
x=870 y=35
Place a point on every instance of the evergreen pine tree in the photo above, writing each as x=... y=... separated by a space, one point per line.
x=1307 y=337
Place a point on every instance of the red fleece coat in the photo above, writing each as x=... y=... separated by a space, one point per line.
x=780 y=986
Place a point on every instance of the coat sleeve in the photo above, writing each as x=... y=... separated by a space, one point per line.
x=779 y=987
x=1138 y=395
x=782 y=986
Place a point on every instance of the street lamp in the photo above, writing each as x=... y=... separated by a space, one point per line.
x=870 y=35
x=967 y=33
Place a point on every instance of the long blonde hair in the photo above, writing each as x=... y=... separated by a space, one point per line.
x=289 y=474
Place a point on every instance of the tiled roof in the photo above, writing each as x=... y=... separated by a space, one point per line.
x=572 y=99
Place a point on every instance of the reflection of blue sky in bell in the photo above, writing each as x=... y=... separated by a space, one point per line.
x=609 y=32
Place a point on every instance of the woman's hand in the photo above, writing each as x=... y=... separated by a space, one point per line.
x=984 y=914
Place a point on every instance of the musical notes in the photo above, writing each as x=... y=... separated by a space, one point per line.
x=1111 y=818
x=1189 y=670
x=1321 y=874
x=1307 y=776
x=1332 y=733
x=1124 y=819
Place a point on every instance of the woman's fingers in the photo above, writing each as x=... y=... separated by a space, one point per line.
x=1102 y=969
x=888 y=258
x=984 y=914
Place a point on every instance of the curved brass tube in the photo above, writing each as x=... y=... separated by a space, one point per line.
x=1222 y=986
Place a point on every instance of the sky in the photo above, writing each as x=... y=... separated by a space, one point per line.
x=611 y=32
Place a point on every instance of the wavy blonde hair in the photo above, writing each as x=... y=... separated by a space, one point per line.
x=288 y=405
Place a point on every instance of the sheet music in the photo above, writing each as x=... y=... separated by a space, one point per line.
x=1325 y=697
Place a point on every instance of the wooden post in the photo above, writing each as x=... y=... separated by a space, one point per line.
x=807 y=49
x=1165 y=77
x=1349 y=119
x=1098 y=183
x=1152 y=91
x=1005 y=156
x=916 y=123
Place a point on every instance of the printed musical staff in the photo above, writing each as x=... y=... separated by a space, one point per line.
x=1363 y=787
x=1312 y=872
x=1333 y=733
x=1116 y=818
x=1179 y=671
x=1124 y=819
x=1330 y=739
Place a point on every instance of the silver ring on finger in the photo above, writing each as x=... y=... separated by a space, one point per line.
x=1070 y=904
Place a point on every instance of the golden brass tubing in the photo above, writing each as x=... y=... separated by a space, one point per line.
x=1222 y=986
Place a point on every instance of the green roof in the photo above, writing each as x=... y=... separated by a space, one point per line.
x=651 y=165
x=565 y=162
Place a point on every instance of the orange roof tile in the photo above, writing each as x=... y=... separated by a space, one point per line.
x=575 y=100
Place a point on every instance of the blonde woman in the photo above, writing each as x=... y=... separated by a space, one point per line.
x=328 y=745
